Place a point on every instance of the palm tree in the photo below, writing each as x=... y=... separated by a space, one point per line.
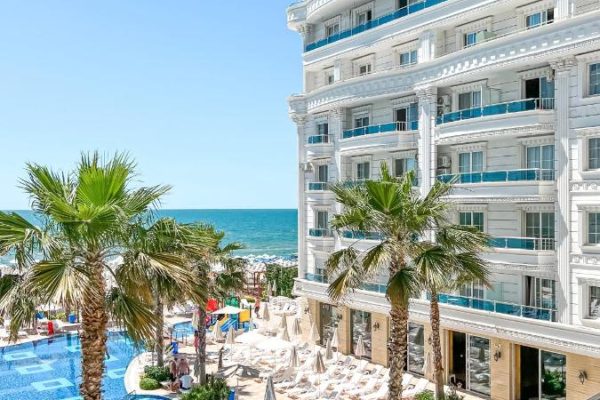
x=166 y=242
x=230 y=280
x=393 y=209
x=444 y=266
x=86 y=219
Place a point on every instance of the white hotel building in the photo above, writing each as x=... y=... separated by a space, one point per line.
x=504 y=94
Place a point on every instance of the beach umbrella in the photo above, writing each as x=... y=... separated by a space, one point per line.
x=268 y=288
x=359 y=350
x=228 y=310
x=266 y=316
x=294 y=358
x=217 y=332
x=318 y=368
x=274 y=288
x=270 y=390
x=283 y=322
x=296 y=329
x=220 y=364
x=328 y=351
x=230 y=339
x=313 y=335
x=335 y=339
x=285 y=335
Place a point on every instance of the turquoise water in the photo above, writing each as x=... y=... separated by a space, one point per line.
x=272 y=232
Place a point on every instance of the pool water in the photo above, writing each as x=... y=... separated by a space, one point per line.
x=50 y=369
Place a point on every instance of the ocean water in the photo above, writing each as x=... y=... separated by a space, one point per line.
x=272 y=232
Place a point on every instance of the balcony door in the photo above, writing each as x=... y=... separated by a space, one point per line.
x=405 y=115
x=469 y=100
x=542 y=375
x=322 y=221
x=539 y=227
x=322 y=173
x=470 y=362
x=470 y=162
x=539 y=88
x=541 y=157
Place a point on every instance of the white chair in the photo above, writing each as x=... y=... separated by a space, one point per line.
x=186 y=382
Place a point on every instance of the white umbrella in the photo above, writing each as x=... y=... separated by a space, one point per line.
x=268 y=288
x=270 y=390
x=266 y=316
x=335 y=340
x=359 y=350
x=283 y=323
x=217 y=332
x=195 y=319
x=274 y=288
x=228 y=310
x=296 y=329
x=285 y=335
x=230 y=339
x=328 y=351
x=294 y=358
x=313 y=335
x=318 y=368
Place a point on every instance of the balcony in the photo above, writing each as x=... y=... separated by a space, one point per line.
x=361 y=235
x=369 y=286
x=320 y=233
x=318 y=139
x=400 y=13
x=316 y=278
x=398 y=126
x=318 y=146
x=523 y=243
x=542 y=314
x=497 y=184
x=318 y=186
x=497 y=109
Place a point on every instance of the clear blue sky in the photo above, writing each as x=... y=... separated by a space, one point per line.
x=195 y=90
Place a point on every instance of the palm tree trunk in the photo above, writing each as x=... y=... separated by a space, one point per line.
x=397 y=344
x=200 y=365
x=93 y=336
x=438 y=368
x=160 y=323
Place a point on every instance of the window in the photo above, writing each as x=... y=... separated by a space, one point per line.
x=594 y=79
x=364 y=69
x=470 y=162
x=323 y=129
x=322 y=173
x=472 y=38
x=363 y=17
x=594 y=302
x=539 y=229
x=408 y=58
x=362 y=121
x=329 y=316
x=362 y=170
x=406 y=117
x=594 y=153
x=474 y=289
x=594 y=228
x=541 y=158
x=403 y=165
x=540 y=292
x=469 y=100
x=540 y=18
x=361 y=330
x=416 y=348
x=332 y=29
x=470 y=218
x=406 y=3
x=322 y=220
x=329 y=77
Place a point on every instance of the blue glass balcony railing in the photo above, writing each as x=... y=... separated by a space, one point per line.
x=320 y=232
x=371 y=287
x=496 y=109
x=516 y=175
x=382 y=128
x=315 y=278
x=522 y=243
x=402 y=12
x=320 y=186
x=318 y=139
x=544 y=314
x=362 y=235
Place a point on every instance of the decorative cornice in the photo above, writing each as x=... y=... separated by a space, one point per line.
x=501 y=199
x=427 y=94
x=586 y=259
x=586 y=186
x=563 y=64
x=541 y=128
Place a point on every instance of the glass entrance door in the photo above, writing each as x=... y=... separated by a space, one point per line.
x=470 y=362
x=542 y=375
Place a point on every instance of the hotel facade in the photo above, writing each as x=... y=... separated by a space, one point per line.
x=504 y=97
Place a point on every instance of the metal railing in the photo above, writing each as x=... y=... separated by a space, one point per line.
x=362 y=235
x=539 y=313
x=402 y=12
x=522 y=243
x=318 y=139
x=318 y=186
x=515 y=175
x=320 y=232
x=497 y=109
x=381 y=128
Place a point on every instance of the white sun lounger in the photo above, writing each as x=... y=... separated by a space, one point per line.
x=419 y=387
x=382 y=393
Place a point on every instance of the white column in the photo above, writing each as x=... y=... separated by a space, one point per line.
x=562 y=70
x=300 y=121
x=426 y=147
x=427 y=45
x=337 y=118
x=563 y=9
x=337 y=69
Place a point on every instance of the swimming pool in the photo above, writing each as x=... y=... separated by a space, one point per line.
x=50 y=369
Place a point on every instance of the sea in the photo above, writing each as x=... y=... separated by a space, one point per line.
x=264 y=232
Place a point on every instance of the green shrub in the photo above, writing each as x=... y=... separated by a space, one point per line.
x=250 y=299
x=215 y=389
x=159 y=374
x=61 y=316
x=426 y=395
x=149 y=384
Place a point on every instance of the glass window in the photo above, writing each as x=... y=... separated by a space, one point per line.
x=540 y=157
x=479 y=364
x=540 y=18
x=363 y=17
x=553 y=379
x=333 y=29
x=403 y=165
x=470 y=218
x=359 y=122
x=322 y=220
x=329 y=77
x=408 y=58
x=594 y=302
x=594 y=79
x=363 y=170
x=470 y=162
x=594 y=228
x=322 y=173
x=594 y=153
x=416 y=348
x=472 y=38
x=469 y=100
x=540 y=226
x=364 y=69
x=360 y=326
x=328 y=321
x=323 y=129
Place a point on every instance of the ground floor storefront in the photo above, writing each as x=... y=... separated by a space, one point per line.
x=482 y=364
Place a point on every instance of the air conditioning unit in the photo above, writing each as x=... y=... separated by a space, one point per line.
x=306 y=167
x=444 y=100
x=444 y=162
